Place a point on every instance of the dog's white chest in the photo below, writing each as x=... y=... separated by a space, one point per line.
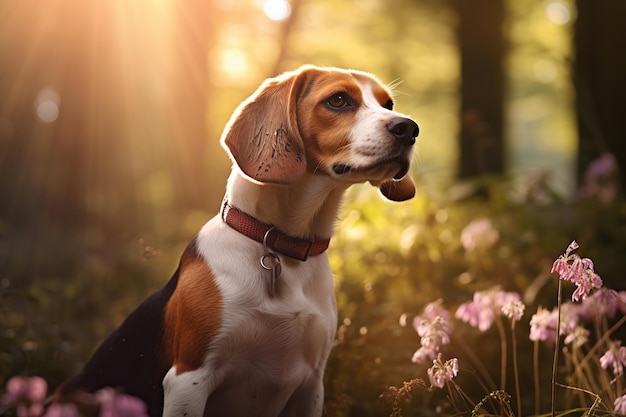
x=268 y=348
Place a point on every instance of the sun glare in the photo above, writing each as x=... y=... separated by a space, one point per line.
x=277 y=9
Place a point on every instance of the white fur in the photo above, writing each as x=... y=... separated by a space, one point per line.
x=269 y=355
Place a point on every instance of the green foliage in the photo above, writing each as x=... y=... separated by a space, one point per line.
x=63 y=290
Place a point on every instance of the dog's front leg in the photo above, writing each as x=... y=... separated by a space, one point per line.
x=186 y=393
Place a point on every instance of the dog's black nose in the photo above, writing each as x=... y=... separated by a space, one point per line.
x=403 y=129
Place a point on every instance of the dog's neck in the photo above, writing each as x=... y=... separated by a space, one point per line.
x=307 y=209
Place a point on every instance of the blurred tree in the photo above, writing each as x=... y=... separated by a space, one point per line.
x=283 y=36
x=600 y=78
x=481 y=48
x=127 y=84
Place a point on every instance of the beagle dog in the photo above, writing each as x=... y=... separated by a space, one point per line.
x=245 y=325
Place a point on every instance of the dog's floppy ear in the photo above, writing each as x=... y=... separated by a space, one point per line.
x=262 y=136
x=398 y=190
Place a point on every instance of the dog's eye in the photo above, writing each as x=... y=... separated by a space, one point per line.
x=389 y=104
x=338 y=101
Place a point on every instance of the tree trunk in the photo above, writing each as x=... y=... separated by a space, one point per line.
x=481 y=48
x=600 y=80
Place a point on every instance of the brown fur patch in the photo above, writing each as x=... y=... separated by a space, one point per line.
x=263 y=138
x=326 y=133
x=193 y=315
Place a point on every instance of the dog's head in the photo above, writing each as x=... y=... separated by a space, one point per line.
x=324 y=121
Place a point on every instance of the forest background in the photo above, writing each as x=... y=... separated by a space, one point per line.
x=110 y=114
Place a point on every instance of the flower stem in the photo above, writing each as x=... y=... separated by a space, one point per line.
x=556 y=349
x=536 y=376
x=602 y=341
x=516 y=370
x=503 y=354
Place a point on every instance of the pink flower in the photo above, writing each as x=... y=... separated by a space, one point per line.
x=62 y=410
x=578 y=337
x=433 y=329
x=620 y=405
x=543 y=325
x=433 y=334
x=21 y=388
x=514 y=310
x=479 y=312
x=602 y=303
x=113 y=404
x=570 y=313
x=571 y=267
x=479 y=234
x=476 y=314
x=424 y=354
x=621 y=304
x=27 y=394
x=16 y=391
x=435 y=309
x=484 y=307
x=601 y=179
x=615 y=357
x=441 y=372
x=585 y=283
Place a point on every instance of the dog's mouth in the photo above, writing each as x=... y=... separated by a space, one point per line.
x=404 y=169
x=344 y=169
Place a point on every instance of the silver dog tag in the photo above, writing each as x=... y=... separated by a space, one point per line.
x=271 y=262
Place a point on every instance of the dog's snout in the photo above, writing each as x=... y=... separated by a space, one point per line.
x=403 y=129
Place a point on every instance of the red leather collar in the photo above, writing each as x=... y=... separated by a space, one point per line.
x=275 y=239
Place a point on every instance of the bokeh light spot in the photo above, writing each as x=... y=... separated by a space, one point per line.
x=47 y=104
x=558 y=13
x=277 y=9
x=234 y=63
